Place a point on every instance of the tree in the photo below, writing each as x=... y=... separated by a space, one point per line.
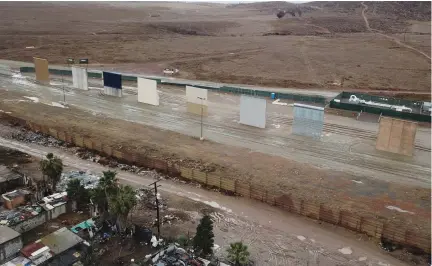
x=203 y=240
x=238 y=253
x=52 y=167
x=99 y=198
x=76 y=192
x=280 y=14
x=109 y=182
x=121 y=203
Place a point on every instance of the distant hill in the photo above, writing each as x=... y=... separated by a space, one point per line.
x=401 y=10
x=395 y=9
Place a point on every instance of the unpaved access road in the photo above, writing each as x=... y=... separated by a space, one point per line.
x=274 y=237
x=365 y=8
x=347 y=145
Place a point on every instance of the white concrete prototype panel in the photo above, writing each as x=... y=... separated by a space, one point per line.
x=193 y=95
x=113 y=92
x=253 y=111
x=308 y=120
x=147 y=91
x=79 y=78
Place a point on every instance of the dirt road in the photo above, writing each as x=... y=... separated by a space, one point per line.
x=396 y=40
x=280 y=238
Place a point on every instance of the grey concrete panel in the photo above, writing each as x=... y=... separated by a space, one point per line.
x=253 y=111
x=308 y=120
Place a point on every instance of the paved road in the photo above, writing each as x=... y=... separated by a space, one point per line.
x=347 y=145
x=282 y=238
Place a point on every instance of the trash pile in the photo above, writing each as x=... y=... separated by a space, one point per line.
x=38 y=138
x=88 y=180
x=19 y=214
x=147 y=200
x=174 y=255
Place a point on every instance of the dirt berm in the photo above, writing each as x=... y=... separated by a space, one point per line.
x=270 y=172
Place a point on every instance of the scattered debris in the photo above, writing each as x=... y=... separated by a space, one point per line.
x=358 y=182
x=345 y=250
x=147 y=200
x=56 y=104
x=38 y=138
x=34 y=99
x=394 y=208
x=87 y=179
x=301 y=238
x=278 y=102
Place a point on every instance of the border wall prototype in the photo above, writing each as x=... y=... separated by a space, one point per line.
x=253 y=111
x=308 y=120
x=41 y=69
x=147 y=91
x=112 y=84
x=79 y=78
x=194 y=104
x=396 y=136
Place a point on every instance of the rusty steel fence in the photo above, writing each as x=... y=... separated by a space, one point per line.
x=373 y=226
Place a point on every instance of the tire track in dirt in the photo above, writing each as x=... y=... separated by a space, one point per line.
x=365 y=8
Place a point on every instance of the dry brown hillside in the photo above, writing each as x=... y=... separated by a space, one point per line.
x=328 y=47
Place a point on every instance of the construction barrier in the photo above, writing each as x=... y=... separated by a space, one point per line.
x=341 y=102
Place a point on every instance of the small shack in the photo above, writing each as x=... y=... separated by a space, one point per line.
x=10 y=243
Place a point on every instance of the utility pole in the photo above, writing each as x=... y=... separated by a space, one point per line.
x=202 y=110
x=157 y=206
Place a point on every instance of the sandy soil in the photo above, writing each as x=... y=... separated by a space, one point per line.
x=325 y=48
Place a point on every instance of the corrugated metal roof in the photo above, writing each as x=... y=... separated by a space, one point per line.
x=18 y=261
x=61 y=240
x=7 y=234
x=30 y=248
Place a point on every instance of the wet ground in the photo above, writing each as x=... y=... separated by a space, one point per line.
x=347 y=144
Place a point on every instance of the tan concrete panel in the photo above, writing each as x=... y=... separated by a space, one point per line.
x=408 y=138
x=384 y=133
x=395 y=136
x=41 y=69
x=196 y=109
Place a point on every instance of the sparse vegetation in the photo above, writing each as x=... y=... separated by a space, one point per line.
x=238 y=253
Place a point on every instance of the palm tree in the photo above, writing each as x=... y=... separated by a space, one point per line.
x=76 y=191
x=109 y=182
x=52 y=167
x=238 y=253
x=99 y=199
x=106 y=188
x=121 y=203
